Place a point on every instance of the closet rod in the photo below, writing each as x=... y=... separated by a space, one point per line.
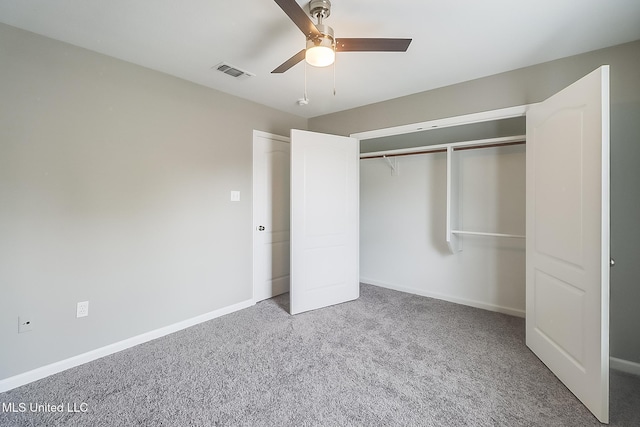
x=473 y=147
x=439 y=150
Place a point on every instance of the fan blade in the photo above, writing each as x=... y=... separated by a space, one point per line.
x=372 y=45
x=290 y=62
x=299 y=17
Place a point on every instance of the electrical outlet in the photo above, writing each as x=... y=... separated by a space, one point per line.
x=82 y=310
x=25 y=324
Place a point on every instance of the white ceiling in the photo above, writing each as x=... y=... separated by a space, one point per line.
x=453 y=41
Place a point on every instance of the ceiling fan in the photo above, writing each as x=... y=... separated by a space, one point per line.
x=321 y=43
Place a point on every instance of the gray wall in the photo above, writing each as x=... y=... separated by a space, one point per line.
x=534 y=84
x=114 y=188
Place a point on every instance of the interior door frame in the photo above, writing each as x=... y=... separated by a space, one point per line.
x=257 y=134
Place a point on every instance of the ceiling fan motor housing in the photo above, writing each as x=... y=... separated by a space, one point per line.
x=320 y=8
x=326 y=32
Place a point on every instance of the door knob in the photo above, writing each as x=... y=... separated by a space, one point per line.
x=612 y=262
x=261 y=228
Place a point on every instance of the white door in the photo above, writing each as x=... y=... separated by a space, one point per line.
x=567 y=272
x=270 y=215
x=324 y=220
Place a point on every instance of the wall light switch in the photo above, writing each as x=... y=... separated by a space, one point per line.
x=235 y=196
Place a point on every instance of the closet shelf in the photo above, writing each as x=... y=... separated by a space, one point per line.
x=484 y=233
x=442 y=148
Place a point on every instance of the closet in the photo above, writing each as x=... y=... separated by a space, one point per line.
x=565 y=257
x=443 y=213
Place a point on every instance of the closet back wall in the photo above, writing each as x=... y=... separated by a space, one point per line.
x=402 y=227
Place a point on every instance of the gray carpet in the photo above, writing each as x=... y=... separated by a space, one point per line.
x=387 y=359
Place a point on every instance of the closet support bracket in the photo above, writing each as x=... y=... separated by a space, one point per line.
x=395 y=170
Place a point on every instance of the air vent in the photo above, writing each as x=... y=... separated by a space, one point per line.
x=232 y=70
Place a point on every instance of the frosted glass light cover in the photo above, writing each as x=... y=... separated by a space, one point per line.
x=320 y=56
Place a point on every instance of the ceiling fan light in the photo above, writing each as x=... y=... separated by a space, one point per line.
x=320 y=54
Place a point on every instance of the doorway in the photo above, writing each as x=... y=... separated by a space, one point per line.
x=271 y=223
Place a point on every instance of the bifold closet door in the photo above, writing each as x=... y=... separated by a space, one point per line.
x=567 y=268
x=324 y=220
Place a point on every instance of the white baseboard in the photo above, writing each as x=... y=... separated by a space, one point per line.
x=624 y=365
x=56 y=367
x=450 y=298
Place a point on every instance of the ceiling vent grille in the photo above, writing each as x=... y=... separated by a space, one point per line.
x=232 y=70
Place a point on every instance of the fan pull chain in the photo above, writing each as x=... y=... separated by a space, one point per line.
x=305 y=81
x=334 y=75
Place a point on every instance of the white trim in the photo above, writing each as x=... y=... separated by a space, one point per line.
x=472 y=303
x=624 y=365
x=62 y=365
x=259 y=133
x=485 y=116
